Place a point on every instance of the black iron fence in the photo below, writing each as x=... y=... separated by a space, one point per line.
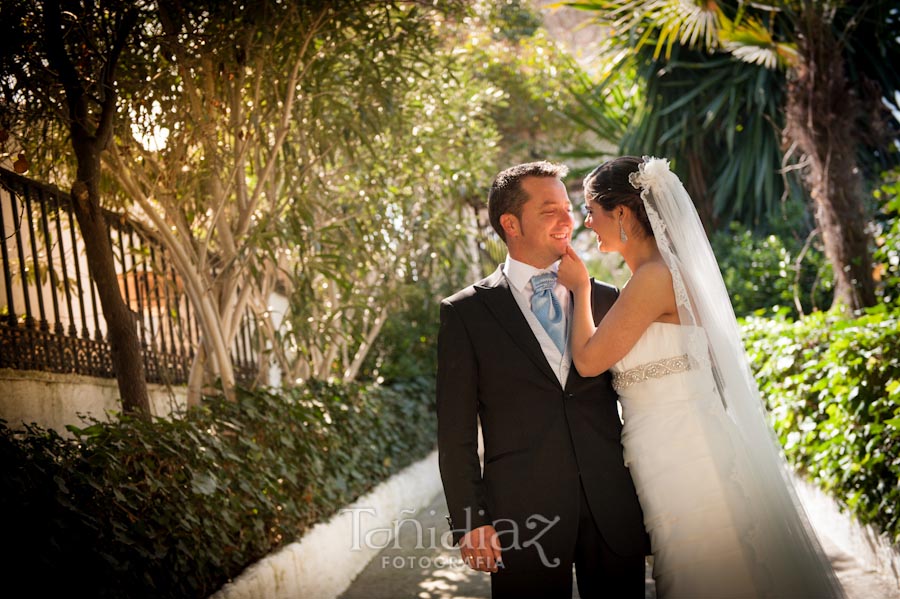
x=50 y=316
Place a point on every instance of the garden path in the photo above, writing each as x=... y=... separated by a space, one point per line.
x=414 y=567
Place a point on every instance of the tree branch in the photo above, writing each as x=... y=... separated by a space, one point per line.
x=107 y=80
x=68 y=76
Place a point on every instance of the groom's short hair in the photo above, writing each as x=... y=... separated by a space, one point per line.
x=508 y=197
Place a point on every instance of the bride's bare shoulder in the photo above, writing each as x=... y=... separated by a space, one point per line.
x=652 y=278
x=655 y=270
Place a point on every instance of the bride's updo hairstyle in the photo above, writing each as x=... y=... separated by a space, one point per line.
x=608 y=187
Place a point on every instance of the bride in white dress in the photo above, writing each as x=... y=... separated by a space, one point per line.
x=723 y=518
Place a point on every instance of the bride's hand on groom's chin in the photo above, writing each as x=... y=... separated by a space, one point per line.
x=572 y=272
x=480 y=549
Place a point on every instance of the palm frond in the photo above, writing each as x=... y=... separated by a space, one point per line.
x=750 y=41
x=764 y=57
x=660 y=23
x=694 y=24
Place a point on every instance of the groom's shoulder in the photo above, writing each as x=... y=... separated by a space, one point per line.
x=605 y=288
x=603 y=296
x=466 y=294
x=460 y=296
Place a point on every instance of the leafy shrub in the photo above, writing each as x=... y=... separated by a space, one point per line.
x=761 y=272
x=175 y=508
x=832 y=386
x=407 y=345
x=887 y=239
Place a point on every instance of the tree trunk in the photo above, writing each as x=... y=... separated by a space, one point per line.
x=124 y=343
x=196 y=378
x=821 y=116
x=90 y=134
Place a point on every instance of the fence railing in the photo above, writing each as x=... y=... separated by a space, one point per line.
x=50 y=316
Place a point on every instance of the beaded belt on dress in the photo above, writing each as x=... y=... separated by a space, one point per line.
x=655 y=370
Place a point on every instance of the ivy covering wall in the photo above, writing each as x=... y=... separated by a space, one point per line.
x=833 y=388
x=174 y=508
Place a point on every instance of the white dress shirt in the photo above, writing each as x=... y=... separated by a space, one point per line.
x=518 y=275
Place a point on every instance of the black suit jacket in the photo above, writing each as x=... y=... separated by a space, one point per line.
x=539 y=438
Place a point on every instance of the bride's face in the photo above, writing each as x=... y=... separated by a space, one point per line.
x=605 y=225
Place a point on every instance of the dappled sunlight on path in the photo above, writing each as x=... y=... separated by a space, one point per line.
x=412 y=566
x=419 y=563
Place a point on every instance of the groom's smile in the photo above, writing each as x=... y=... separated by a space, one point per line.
x=545 y=226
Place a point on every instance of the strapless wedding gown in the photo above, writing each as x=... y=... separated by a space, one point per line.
x=685 y=457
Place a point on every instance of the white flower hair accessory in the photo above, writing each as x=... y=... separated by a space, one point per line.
x=650 y=171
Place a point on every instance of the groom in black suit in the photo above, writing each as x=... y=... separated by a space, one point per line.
x=554 y=490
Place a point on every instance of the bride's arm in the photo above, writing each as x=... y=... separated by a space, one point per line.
x=646 y=297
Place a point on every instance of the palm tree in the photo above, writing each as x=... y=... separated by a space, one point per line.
x=818 y=74
x=716 y=118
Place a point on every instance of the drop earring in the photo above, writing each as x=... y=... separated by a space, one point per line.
x=622 y=234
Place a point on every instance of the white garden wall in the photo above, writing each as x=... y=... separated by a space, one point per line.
x=55 y=400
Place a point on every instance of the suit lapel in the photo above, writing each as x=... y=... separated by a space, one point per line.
x=573 y=372
x=496 y=294
x=595 y=310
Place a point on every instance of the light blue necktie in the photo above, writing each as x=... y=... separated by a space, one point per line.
x=546 y=307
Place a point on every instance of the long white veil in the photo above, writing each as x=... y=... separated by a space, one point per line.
x=791 y=556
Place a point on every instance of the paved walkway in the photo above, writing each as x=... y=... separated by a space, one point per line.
x=417 y=565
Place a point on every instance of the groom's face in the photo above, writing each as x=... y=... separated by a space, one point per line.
x=545 y=228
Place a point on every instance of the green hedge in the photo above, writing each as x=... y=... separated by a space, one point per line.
x=762 y=271
x=832 y=386
x=176 y=508
x=887 y=239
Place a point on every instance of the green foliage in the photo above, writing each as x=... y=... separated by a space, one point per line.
x=407 y=345
x=763 y=271
x=514 y=19
x=371 y=226
x=531 y=82
x=719 y=120
x=707 y=84
x=833 y=387
x=887 y=239
x=320 y=150
x=506 y=47
x=174 y=508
